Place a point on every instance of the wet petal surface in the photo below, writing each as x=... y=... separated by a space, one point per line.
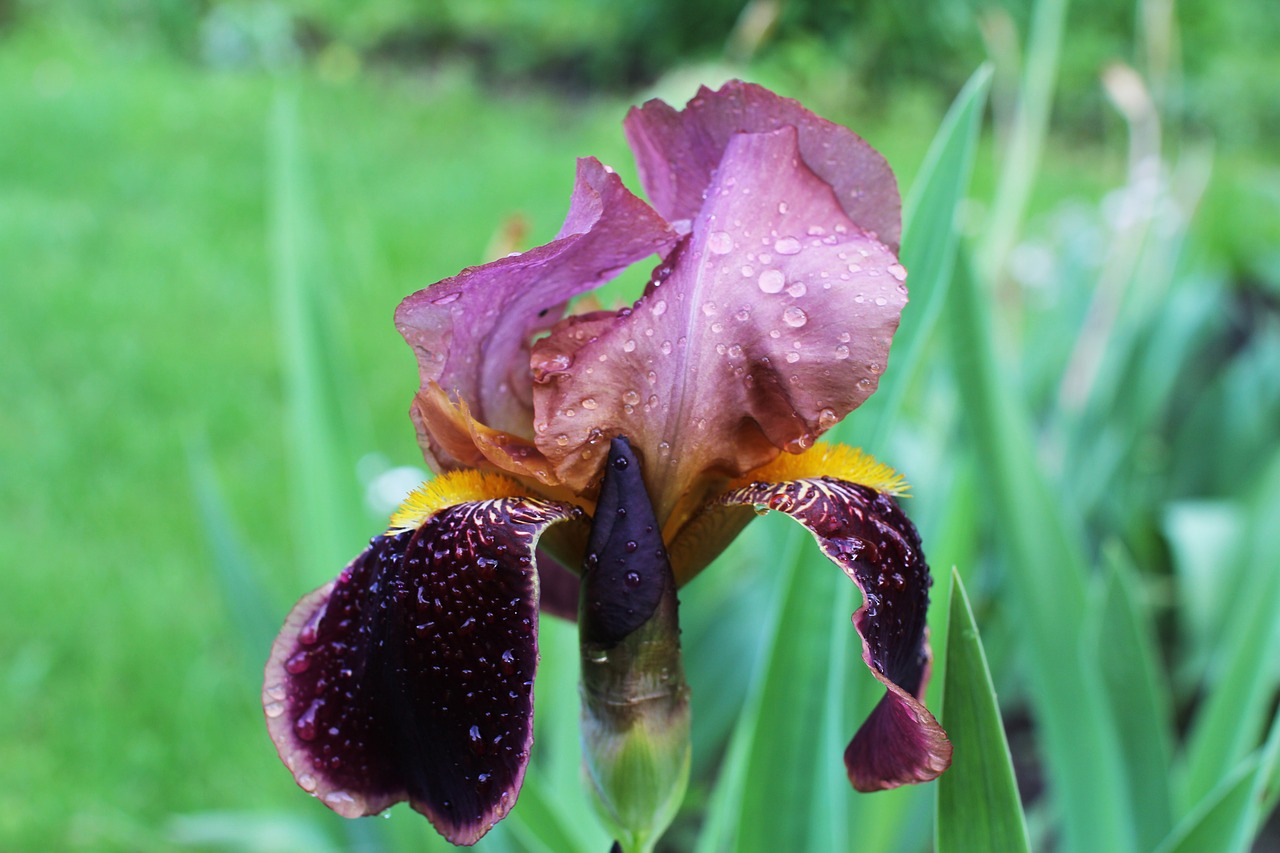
x=767 y=325
x=678 y=152
x=471 y=333
x=411 y=676
x=866 y=533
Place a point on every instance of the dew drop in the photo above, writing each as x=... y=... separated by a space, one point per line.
x=629 y=345
x=742 y=315
x=797 y=289
x=719 y=243
x=659 y=307
x=632 y=579
x=898 y=271
x=298 y=663
x=881 y=301
x=274 y=709
x=772 y=281
x=666 y=350
x=793 y=357
x=307 y=782
x=794 y=317
x=827 y=418
x=782 y=207
x=630 y=397
x=747 y=271
x=562 y=440
x=620 y=464
x=631 y=546
x=708 y=308
x=787 y=246
x=447 y=298
x=735 y=351
x=842 y=352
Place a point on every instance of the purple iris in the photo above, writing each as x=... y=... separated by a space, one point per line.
x=767 y=320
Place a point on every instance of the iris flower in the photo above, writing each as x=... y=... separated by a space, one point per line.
x=630 y=446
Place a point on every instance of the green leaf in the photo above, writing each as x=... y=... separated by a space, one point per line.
x=1121 y=644
x=1221 y=822
x=1231 y=721
x=329 y=519
x=1047 y=585
x=929 y=243
x=978 y=804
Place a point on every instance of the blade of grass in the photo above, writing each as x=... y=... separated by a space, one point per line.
x=1048 y=583
x=1227 y=726
x=328 y=517
x=1021 y=155
x=929 y=243
x=1121 y=644
x=252 y=614
x=978 y=804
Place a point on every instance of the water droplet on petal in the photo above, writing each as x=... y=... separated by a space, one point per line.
x=787 y=246
x=447 y=298
x=792 y=357
x=589 y=403
x=632 y=579
x=794 y=317
x=629 y=345
x=772 y=281
x=719 y=243
x=898 y=271
x=797 y=289
x=827 y=418
x=274 y=709
x=735 y=351
x=631 y=397
x=659 y=307
x=881 y=301
x=708 y=308
x=842 y=352
x=782 y=207
x=307 y=782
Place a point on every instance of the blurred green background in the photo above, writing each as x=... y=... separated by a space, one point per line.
x=209 y=210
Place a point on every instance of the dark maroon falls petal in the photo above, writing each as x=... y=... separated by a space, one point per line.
x=868 y=535
x=411 y=676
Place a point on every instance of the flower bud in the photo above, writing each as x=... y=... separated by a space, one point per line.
x=635 y=703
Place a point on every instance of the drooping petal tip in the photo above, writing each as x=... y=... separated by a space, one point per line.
x=866 y=533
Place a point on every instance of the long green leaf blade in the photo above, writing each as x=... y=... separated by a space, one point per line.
x=929 y=242
x=978 y=804
x=1124 y=651
x=1047 y=581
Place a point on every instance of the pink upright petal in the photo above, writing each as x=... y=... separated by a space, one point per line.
x=678 y=152
x=768 y=324
x=471 y=333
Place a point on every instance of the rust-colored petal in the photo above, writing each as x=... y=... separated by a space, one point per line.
x=865 y=532
x=471 y=333
x=768 y=324
x=678 y=152
x=411 y=676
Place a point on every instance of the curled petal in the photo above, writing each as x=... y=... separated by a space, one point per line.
x=411 y=676
x=866 y=533
x=768 y=324
x=678 y=152
x=471 y=332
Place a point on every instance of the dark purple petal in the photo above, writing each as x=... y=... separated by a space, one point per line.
x=411 y=676
x=768 y=324
x=627 y=573
x=679 y=152
x=471 y=333
x=866 y=533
